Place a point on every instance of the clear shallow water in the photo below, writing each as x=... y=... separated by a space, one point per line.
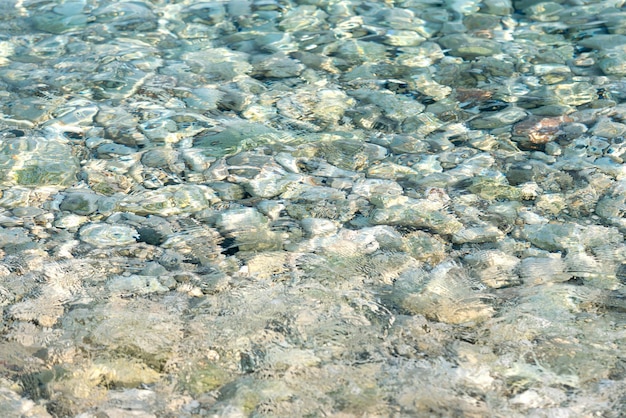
x=266 y=208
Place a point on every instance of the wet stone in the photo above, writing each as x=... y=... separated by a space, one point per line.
x=80 y=203
x=34 y=161
x=469 y=47
x=169 y=200
x=105 y=235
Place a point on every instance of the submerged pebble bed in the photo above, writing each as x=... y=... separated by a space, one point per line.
x=312 y=208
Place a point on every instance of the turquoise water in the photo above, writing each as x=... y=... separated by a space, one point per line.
x=312 y=208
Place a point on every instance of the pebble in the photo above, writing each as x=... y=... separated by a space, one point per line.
x=105 y=235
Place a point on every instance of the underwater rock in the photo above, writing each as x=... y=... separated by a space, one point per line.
x=420 y=213
x=169 y=200
x=106 y=235
x=37 y=161
x=445 y=294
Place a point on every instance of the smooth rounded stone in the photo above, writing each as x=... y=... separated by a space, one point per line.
x=288 y=161
x=395 y=107
x=468 y=47
x=542 y=270
x=131 y=16
x=58 y=23
x=402 y=144
x=77 y=112
x=303 y=18
x=603 y=41
x=249 y=229
x=464 y=7
x=159 y=130
x=218 y=63
x=481 y=21
x=598 y=235
x=227 y=191
x=492 y=189
x=455 y=157
x=421 y=213
x=120 y=125
x=106 y=235
x=153 y=269
x=160 y=157
x=273 y=42
x=612 y=207
x=425 y=247
x=196 y=160
x=135 y=285
x=388 y=201
x=422 y=56
x=249 y=160
x=312 y=193
x=527 y=171
x=552 y=203
x=611 y=167
x=355 y=51
x=322 y=107
x=573 y=94
x=391 y=171
x=544 y=12
x=498 y=7
x=198 y=244
x=11 y=237
x=27 y=212
x=9 y=221
x=477 y=234
x=494 y=268
x=445 y=294
x=608 y=129
x=204 y=98
x=341 y=209
x=16 y=197
x=566 y=236
x=235 y=136
x=169 y=200
x=80 y=203
x=269 y=183
x=347 y=154
x=504 y=212
x=320 y=168
x=316 y=226
x=387 y=237
x=267 y=265
x=498 y=119
x=70 y=221
x=616 y=149
x=106 y=182
x=580 y=264
x=535 y=131
x=108 y=83
x=403 y=38
x=271 y=208
x=287 y=358
x=235 y=99
x=204 y=12
x=344 y=244
x=277 y=65
x=37 y=161
x=153 y=230
x=370 y=188
x=172 y=127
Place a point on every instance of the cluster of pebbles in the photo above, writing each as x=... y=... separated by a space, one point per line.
x=312 y=208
